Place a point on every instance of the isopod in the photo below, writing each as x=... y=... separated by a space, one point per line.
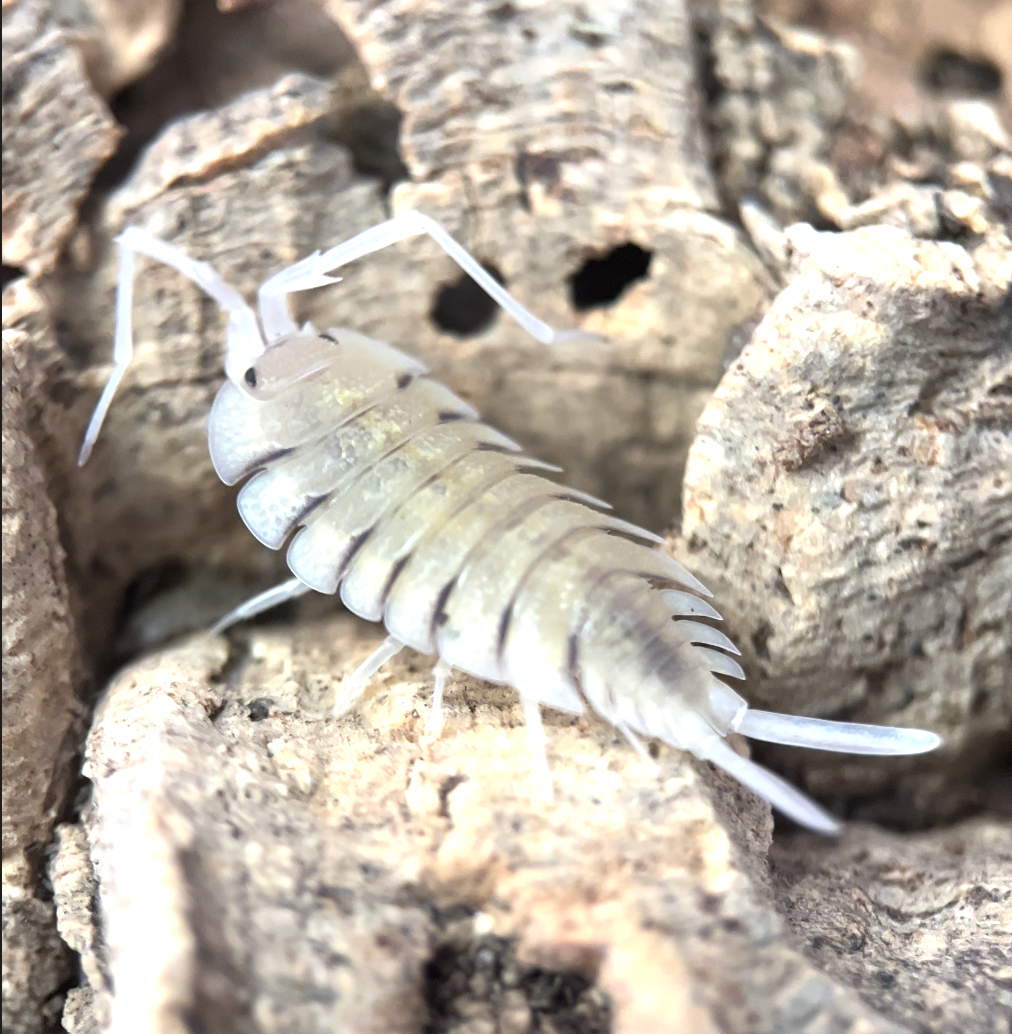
x=388 y=488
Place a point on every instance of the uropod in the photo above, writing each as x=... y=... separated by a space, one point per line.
x=388 y=488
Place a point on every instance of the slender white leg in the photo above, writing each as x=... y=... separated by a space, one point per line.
x=265 y=600
x=312 y=272
x=434 y=723
x=538 y=741
x=244 y=342
x=636 y=743
x=356 y=683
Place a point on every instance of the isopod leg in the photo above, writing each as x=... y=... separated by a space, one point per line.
x=356 y=683
x=636 y=743
x=434 y=723
x=244 y=343
x=312 y=272
x=265 y=600
x=538 y=742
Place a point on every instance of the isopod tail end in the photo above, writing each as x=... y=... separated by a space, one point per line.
x=778 y=792
x=823 y=734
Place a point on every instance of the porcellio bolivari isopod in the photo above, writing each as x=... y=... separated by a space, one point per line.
x=388 y=489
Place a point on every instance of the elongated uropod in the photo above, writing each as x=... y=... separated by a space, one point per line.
x=388 y=488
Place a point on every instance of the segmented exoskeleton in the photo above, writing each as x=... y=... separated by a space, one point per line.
x=388 y=488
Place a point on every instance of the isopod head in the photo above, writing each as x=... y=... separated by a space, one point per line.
x=285 y=362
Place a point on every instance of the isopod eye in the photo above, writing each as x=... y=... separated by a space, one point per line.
x=259 y=382
x=284 y=363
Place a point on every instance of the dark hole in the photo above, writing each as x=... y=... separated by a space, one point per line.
x=463 y=308
x=371 y=130
x=259 y=709
x=760 y=639
x=480 y=969
x=142 y=591
x=946 y=71
x=149 y=583
x=599 y=281
x=11 y=273
x=712 y=87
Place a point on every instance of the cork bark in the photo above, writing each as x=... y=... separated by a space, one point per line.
x=820 y=420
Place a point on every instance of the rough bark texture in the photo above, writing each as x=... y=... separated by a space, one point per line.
x=804 y=125
x=849 y=498
x=56 y=132
x=119 y=40
x=780 y=95
x=291 y=872
x=887 y=914
x=41 y=727
x=913 y=54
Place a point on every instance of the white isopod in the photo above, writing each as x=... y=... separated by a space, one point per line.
x=437 y=525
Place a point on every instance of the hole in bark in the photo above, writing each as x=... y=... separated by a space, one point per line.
x=11 y=273
x=760 y=640
x=149 y=583
x=947 y=71
x=600 y=281
x=368 y=125
x=173 y=599
x=259 y=709
x=470 y=975
x=372 y=132
x=463 y=308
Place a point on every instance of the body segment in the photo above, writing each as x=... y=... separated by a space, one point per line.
x=420 y=515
